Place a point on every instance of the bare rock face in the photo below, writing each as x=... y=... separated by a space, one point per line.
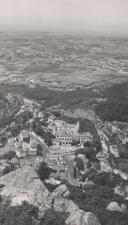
x=70 y=206
x=58 y=198
x=64 y=205
x=24 y=185
x=59 y=205
x=124 y=208
x=114 y=206
x=76 y=215
x=61 y=191
x=79 y=217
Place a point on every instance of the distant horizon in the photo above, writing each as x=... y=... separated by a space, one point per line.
x=92 y=33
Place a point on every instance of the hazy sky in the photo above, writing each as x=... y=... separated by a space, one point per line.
x=93 y=15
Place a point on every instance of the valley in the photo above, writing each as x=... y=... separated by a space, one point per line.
x=63 y=129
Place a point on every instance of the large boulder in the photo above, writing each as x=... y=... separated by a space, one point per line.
x=123 y=207
x=58 y=197
x=78 y=216
x=61 y=191
x=24 y=185
x=64 y=205
x=114 y=206
x=59 y=205
x=52 y=181
x=82 y=218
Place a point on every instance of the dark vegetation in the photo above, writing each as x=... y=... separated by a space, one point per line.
x=89 y=152
x=53 y=217
x=105 y=179
x=48 y=137
x=20 y=122
x=8 y=107
x=10 y=166
x=18 y=215
x=66 y=99
x=123 y=164
x=39 y=130
x=9 y=155
x=52 y=97
x=95 y=199
x=28 y=215
x=44 y=171
x=15 y=123
x=115 y=108
x=3 y=140
x=36 y=126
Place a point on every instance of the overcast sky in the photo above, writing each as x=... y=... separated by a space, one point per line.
x=83 y=15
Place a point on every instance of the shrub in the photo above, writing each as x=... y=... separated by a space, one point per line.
x=9 y=155
x=48 y=136
x=18 y=215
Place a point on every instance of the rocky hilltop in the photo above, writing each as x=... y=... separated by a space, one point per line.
x=24 y=185
x=50 y=200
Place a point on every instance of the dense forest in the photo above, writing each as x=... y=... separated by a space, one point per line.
x=115 y=108
x=52 y=97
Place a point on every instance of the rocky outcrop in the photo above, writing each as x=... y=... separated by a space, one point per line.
x=114 y=207
x=52 y=181
x=79 y=217
x=24 y=185
x=124 y=208
x=58 y=197
x=76 y=215
x=61 y=191
x=59 y=205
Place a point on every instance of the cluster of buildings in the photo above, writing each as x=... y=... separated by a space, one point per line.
x=28 y=144
x=67 y=134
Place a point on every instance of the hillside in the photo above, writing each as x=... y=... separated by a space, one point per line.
x=62 y=62
x=9 y=105
x=115 y=108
